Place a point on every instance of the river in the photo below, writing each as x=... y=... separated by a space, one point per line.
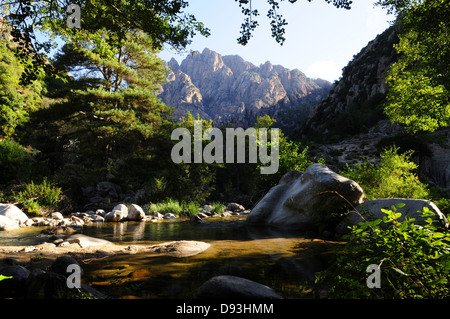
x=284 y=260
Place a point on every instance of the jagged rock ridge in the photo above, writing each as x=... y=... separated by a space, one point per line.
x=228 y=89
x=355 y=103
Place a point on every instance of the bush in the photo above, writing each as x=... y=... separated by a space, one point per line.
x=167 y=206
x=392 y=177
x=218 y=208
x=15 y=162
x=191 y=208
x=34 y=196
x=413 y=261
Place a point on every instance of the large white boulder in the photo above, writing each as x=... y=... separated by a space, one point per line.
x=115 y=216
x=13 y=213
x=306 y=200
x=135 y=213
x=7 y=224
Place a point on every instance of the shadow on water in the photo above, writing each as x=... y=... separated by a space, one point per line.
x=283 y=260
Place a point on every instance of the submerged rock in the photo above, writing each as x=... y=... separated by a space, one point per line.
x=87 y=241
x=235 y=287
x=306 y=200
x=182 y=248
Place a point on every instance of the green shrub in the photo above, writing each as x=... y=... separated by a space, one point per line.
x=218 y=208
x=167 y=206
x=392 y=177
x=33 y=196
x=414 y=262
x=191 y=208
x=444 y=205
x=15 y=162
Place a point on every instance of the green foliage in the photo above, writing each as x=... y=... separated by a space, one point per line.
x=218 y=208
x=15 y=162
x=191 y=181
x=277 y=22
x=191 y=208
x=164 y=21
x=169 y=205
x=17 y=99
x=392 y=177
x=419 y=94
x=4 y=277
x=414 y=261
x=110 y=121
x=35 y=196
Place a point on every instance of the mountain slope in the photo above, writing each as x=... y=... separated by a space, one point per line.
x=356 y=101
x=228 y=89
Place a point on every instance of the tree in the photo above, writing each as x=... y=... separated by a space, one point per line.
x=165 y=21
x=111 y=113
x=17 y=97
x=419 y=94
x=277 y=22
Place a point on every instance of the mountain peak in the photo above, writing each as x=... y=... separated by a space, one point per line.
x=229 y=89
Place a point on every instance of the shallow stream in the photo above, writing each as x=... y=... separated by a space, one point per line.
x=283 y=260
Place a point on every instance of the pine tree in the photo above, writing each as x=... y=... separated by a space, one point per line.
x=112 y=113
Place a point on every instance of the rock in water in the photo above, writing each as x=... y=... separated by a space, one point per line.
x=86 y=241
x=235 y=287
x=182 y=248
x=371 y=210
x=7 y=224
x=306 y=200
x=13 y=213
x=115 y=216
x=135 y=212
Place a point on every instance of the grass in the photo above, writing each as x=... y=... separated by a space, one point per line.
x=167 y=206
x=175 y=207
x=35 y=196
x=218 y=208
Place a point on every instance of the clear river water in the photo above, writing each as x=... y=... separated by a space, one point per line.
x=284 y=260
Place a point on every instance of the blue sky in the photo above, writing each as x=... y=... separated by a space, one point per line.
x=320 y=39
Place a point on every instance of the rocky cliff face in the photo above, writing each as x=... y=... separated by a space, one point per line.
x=228 y=89
x=355 y=104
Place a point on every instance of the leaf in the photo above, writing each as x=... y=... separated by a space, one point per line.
x=438 y=235
x=400 y=205
x=4 y=277
x=400 y=272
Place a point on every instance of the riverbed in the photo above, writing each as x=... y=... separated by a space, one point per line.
x=284 y=260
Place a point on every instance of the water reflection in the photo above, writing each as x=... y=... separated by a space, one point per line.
x=284 y=260
x=167 y=231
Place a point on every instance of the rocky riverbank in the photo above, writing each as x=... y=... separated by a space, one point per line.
x=37 y=271
x=11 y=217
